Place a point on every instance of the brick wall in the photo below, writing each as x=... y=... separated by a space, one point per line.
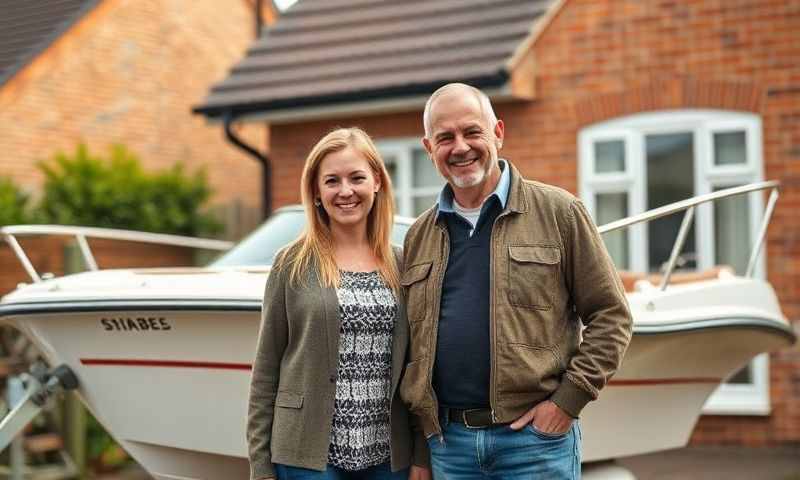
x=603 y=59
x=129 y=72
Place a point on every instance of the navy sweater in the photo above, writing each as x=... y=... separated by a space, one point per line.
x=461 y=371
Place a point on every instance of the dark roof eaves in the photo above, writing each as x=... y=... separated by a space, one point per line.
x=46 y=42
x=496 y=79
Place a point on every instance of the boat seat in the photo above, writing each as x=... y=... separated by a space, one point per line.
x=631 y=279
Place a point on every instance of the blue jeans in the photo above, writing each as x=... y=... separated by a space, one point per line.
x=500 y=453
x=378 y=472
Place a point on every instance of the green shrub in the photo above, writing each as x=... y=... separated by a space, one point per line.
x=116 y=192
x=13 y=203
x=103 y=453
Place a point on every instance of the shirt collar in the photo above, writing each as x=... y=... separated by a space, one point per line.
x=446 y=198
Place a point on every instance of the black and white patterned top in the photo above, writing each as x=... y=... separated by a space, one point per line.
x=360 y=433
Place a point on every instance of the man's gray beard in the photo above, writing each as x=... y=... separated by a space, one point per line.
x=473 y=179
x=469 y=180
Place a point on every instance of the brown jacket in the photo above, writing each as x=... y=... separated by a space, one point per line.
x=293 y=386
x=549 y=272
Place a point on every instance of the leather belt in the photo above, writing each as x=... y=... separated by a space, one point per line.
x=471 y=417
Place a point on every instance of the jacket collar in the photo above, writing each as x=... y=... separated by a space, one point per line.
x=516 y=196
x=509 y=191
x=446 y=200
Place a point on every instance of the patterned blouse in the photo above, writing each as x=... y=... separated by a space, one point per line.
x=360 y=433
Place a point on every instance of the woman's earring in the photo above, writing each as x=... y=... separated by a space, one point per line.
x=317 y=202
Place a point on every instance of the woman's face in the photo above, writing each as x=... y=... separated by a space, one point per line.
x=347 y=187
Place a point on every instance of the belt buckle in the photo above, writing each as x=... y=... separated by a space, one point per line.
x=466 y=423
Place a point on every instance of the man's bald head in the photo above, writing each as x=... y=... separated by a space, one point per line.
x=461 y=89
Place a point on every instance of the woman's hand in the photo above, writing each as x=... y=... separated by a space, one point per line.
x=419 y=473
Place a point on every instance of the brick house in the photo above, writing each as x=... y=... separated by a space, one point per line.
x=121 y=71
x=617 y=101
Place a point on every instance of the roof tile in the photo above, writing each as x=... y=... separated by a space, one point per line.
x=328 y=51
x=28 y=27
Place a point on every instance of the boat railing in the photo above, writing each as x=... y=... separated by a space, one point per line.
x=689 y=206
x=81 y=234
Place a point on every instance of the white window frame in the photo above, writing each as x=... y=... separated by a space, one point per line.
x=728 y=399
x=400 y=149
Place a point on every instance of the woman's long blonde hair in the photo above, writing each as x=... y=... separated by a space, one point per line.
x=315 y=246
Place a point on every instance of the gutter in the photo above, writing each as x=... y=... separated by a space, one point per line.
x=401 y=93
x=266 y=164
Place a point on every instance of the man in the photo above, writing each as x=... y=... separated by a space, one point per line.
x=499 y=277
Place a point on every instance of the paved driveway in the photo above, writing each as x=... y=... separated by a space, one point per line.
x=709 y=463
x=690 y=463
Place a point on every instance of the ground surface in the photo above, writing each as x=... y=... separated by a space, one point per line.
x=728 y=463
x=691 y=463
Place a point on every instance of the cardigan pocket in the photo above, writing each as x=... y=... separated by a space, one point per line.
x=289 y=400
x=289 y=424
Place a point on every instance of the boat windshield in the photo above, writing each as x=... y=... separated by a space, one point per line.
x=259 y=247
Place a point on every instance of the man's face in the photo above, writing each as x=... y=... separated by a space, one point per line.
x=462 y=144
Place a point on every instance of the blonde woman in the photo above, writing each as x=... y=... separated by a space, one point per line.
x=323 y=398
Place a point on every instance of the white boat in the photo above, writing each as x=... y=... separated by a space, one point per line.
x=163 y=356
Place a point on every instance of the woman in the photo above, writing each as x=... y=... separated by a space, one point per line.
x=323 y=395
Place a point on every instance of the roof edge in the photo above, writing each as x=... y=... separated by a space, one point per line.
x=48 y=42
x=371 y=101
x=380 y=107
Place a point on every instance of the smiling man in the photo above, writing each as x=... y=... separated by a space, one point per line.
x=500 y=276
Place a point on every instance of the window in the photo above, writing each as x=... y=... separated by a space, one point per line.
x=416 y=181
x=637 y=163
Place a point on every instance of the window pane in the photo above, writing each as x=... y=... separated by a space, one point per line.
x=670 y=178
x=610 y=207
x=743 y=376
x=609 y=156
x=423 y=203
x=732 y=247
x=390 y=161
x=425 y=174
x=732 y=232
x=729 y=148
x=391 y=167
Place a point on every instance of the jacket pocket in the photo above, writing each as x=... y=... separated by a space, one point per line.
x=533 y=273
x=535 y=374
x=417 y=296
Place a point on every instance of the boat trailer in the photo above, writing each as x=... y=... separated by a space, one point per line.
x=39 y=386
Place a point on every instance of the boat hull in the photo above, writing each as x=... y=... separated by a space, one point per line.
x=656 y=397
x=175 y=399
x=169 y=379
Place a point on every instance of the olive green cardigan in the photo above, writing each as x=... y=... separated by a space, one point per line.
x=293 y=386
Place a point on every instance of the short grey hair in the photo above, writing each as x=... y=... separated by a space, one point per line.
x=486 y=104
